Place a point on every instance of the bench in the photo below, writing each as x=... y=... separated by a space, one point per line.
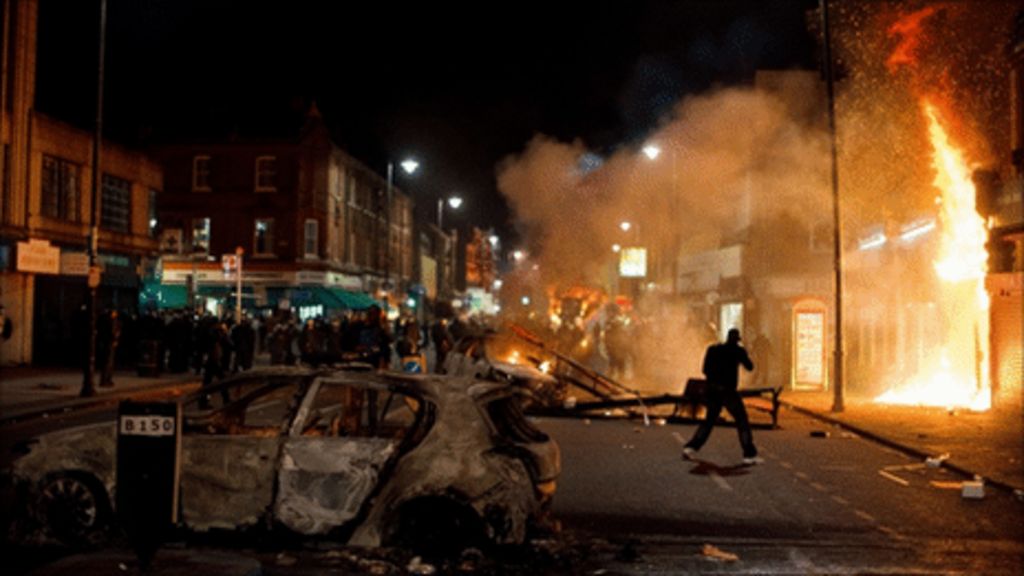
x=696 y=390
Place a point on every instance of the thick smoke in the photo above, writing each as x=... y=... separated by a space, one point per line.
x=759 y=155
x=715 y=150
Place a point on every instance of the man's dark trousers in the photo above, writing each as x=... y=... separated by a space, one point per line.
x=717 y=398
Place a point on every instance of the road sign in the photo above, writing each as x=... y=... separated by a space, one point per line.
x=94 y=276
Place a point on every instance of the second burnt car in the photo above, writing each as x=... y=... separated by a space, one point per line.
x=368 y=458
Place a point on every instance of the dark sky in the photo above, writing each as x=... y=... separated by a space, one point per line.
x=459 y=86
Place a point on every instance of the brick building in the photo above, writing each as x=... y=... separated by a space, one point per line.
x=46 y=208
x=315 y=224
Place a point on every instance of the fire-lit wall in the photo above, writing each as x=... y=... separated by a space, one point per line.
x=1007 y=314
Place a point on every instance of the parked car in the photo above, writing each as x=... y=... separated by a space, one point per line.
x=369 y=458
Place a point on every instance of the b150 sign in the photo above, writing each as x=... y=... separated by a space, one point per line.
x=147 y=425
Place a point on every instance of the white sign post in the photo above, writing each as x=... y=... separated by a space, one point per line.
x=233 y=263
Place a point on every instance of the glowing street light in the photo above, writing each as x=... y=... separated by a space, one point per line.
x=410 y=165
x=453 y=201
x=518 y=255
x=616 y=248
x=651 y=151
x=625 y=226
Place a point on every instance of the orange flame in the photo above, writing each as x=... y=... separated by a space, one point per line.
x=959 y=374
x=908 y=28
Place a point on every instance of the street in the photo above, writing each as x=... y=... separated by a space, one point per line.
x=824 y=501
x=816 y=505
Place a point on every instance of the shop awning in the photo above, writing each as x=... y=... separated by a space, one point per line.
x=223 y=292
x=314 y=296
x=163 y=296
x=354 y=300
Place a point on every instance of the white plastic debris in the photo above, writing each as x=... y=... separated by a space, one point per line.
x=974 y=489
x=936 y=461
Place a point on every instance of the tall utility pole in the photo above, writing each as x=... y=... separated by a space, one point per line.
x=88 y=388
x=838 y=372
x=387 y=216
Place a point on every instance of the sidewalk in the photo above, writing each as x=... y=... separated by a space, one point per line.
x=25 y=391
x=988 y=444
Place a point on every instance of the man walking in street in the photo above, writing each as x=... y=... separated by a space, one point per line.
x=721 y=369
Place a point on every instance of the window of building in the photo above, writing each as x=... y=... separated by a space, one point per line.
x=201 y=235
x=311 y=244
x=152 y=220
x=263 y=237
x=266 y=174
x=60 y=189
x=201 y=174
x=116 y=204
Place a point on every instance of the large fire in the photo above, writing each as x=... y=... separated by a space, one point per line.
x=958 y=374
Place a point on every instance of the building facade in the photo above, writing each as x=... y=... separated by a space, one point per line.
x=305 y=215
x=47 y=211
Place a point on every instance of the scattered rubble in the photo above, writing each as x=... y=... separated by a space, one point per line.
x=936 y=461
x=714 y=553
x=820 y=434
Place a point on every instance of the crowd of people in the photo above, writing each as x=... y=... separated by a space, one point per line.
x=178 y=341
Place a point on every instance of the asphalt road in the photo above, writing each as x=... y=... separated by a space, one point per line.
x=628 y=504
x=838 y=504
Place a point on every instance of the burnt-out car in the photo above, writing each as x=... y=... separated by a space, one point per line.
x=503 y=357
x=368 y=458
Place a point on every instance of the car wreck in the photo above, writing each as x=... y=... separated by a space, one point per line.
x=366 y=458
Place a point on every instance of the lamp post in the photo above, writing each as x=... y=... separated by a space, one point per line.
x=839 y=367
x=410 y=166
x=652 y=151
x=89 y=367
x=453 y=201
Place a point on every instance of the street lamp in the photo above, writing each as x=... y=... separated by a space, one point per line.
x=453 y=201
x=652 y=151
x=410 y=166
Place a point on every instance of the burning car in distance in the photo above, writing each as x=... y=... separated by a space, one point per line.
x=366 y=458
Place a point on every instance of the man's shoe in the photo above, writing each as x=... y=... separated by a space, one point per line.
x=689 y=453
x=752 y=460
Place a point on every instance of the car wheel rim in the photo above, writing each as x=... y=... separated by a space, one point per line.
x=69 y=506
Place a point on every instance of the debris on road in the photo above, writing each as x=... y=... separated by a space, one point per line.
x=947 y=485
x=820 y=434
x=890 y=476
x=715 y=553
x=973 y=489
x=420 y=568
x=936 y=461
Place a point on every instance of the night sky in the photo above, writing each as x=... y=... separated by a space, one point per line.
x=458 y=86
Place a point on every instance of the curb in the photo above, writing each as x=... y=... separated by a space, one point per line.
x=908 y=450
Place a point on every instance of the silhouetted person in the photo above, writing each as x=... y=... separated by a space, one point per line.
x=243 y=336
x=443 y=343
x=721 y=369
x=374 y=339
x=218 y=346
x=108 y=335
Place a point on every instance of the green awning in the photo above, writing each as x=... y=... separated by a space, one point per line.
x=354 y=300
x=313 y=296
x=162 y=296
x=223 y=291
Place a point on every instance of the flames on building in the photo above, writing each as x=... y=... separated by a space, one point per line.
x=742 y=184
